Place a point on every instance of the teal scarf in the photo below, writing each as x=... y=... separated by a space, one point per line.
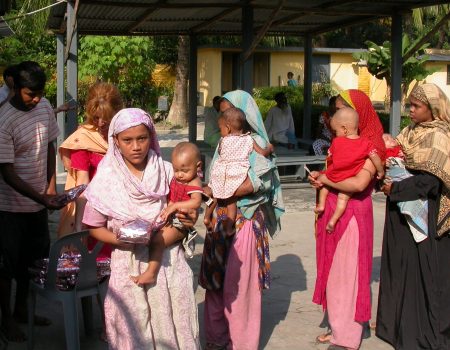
x=263 y=172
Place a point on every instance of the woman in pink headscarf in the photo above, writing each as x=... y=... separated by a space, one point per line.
x=132 y=182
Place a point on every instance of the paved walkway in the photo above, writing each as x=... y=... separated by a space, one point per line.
x=290 y=320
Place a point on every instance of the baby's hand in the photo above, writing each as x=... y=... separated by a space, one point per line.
x=380 y=174
x=163 y=216
x=270 y=148
x=167 y=212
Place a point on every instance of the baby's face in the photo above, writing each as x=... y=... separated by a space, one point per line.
x=389 y=141
x=184 y=167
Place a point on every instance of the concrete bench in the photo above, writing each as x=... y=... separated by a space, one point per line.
x=285 y=157
x=299 y=161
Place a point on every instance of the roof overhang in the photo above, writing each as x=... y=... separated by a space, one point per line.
x=224 y=17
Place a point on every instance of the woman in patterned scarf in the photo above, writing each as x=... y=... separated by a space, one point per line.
x=413 y=307
x=241 y=262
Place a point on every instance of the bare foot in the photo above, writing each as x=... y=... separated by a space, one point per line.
x=319 y=209
x=12 y=331
x=330 y=226
x=147 y=277
x=323 y=338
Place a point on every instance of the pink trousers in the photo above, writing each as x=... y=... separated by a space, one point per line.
x=342 y=290
x=233 y=315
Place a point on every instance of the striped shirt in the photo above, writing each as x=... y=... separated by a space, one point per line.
x=24 y=139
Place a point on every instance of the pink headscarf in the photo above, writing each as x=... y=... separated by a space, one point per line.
x=114 y=191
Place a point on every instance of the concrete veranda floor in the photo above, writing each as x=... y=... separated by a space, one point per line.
x=290 y=320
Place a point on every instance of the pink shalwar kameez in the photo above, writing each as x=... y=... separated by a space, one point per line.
x=344 y=266
x=235 y=312
x=236 y=269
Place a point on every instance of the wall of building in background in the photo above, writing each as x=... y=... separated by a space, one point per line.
x=209 y=75
x=215 y=75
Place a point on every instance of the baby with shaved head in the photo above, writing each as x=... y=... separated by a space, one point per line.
x=346 y=157
x=185 y=194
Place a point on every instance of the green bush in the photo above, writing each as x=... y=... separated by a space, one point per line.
x=384 y=118
x=264 y=106
x=293 y=93
x=264 y=99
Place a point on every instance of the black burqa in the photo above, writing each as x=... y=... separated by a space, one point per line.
x=414 y=297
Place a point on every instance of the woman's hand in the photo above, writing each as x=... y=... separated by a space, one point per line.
x=188 y=217
x=208 y=191
x=314 y=179
x=387 y=185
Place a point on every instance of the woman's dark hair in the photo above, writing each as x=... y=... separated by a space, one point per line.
x=280 y=96
x=29 y=75
x=10 y=71
x=332 y=101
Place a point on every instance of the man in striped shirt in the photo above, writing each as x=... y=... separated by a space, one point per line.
x=27 y=189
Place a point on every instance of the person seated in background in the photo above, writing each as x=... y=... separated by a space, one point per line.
x=7 y=89
x=211 y=134
x=323 y=133
x=291 y=81
x=280 y=123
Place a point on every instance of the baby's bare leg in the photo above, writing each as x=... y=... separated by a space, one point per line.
x=341 y=205
x=231 y=217
x=207 y=219
x=167 y=236
x=323 y=193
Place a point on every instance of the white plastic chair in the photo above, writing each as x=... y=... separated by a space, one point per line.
x=86 y=286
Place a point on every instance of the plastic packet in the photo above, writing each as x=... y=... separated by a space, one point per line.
x=70 y=195
x=137 y=231
x=67 y=270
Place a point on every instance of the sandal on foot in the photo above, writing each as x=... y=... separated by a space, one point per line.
x=212 y=346
x=323 y=338
x=189 y=243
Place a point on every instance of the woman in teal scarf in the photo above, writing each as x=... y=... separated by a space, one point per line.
x=236 y=269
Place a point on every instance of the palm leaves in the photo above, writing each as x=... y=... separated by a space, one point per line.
x=35 y=22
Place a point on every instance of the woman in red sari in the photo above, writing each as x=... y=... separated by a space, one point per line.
x=344 y=257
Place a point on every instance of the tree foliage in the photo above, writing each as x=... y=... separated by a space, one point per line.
x=124 y=61
x=30 y=41
x=378 y=60
x=424 y=18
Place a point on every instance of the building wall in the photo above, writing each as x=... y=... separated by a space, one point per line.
x=344 y=73
x=209 y=75
x=439 y=77
x=283 y=62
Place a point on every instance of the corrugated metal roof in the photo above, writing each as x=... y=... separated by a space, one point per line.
x=212 y=17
